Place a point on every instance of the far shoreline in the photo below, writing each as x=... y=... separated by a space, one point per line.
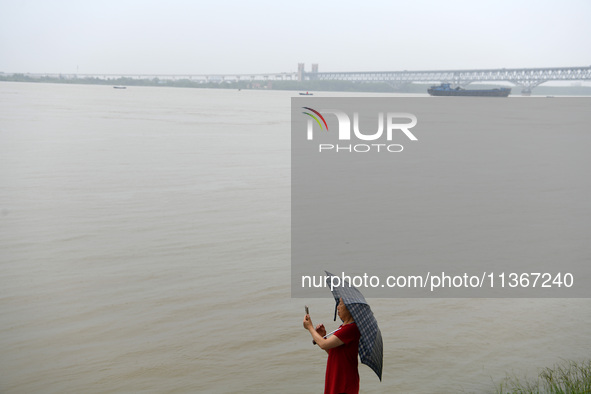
x=305 y=86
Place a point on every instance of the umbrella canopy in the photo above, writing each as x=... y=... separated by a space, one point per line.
x=371 y=348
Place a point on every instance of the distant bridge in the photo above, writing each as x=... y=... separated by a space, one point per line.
x=526 y=78
x=204 y=78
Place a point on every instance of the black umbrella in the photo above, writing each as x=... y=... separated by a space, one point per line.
x=371 y=347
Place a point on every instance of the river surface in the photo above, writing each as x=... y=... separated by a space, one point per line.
x=145 y=247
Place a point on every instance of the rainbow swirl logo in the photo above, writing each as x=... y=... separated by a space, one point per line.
x=315 y=118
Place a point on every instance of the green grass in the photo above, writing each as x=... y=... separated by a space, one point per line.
x=564 y=377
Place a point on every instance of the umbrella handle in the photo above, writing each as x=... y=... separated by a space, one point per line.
x=326 y=336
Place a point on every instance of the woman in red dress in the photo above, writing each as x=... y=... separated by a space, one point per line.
x=342 y=347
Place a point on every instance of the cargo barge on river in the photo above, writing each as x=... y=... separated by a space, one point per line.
x=446 y=90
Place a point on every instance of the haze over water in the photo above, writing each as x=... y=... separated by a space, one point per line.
x=145 y=237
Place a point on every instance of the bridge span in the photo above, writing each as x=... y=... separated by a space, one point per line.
x=203 y=78
x=526 y=78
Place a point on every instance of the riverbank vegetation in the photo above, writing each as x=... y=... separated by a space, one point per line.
x=565 y=377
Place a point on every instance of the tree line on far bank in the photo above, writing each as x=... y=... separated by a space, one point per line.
x=312 y=85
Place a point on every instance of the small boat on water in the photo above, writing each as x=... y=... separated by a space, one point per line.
x=446 y=90
x=306 y=94
x=119 y=87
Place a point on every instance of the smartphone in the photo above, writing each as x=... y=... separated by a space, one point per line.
x=307 y=310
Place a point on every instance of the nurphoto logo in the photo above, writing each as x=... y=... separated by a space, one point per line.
x=391 y=119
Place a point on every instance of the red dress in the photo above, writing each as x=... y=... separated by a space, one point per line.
x=342 y=375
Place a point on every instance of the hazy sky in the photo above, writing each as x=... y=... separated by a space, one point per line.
x=194 y=37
